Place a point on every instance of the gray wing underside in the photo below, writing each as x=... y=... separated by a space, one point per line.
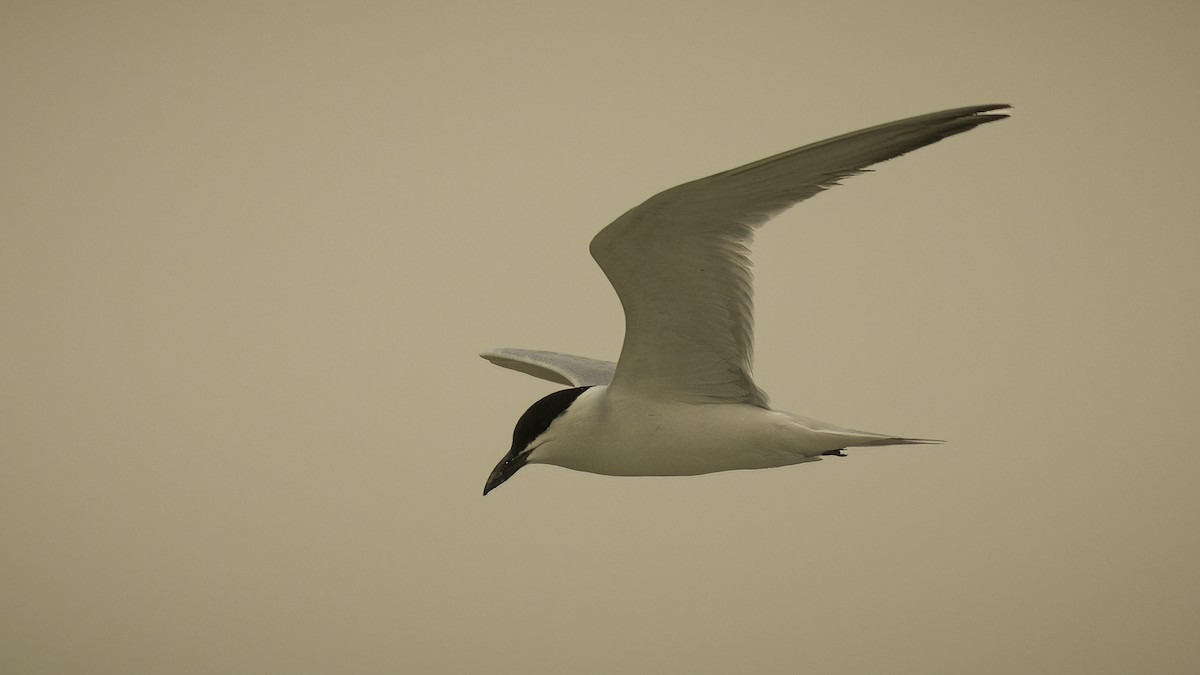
x=568 y=369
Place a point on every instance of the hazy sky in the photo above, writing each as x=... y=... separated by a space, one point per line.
x=249 y=251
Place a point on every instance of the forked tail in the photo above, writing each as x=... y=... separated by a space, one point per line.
x=894 y=440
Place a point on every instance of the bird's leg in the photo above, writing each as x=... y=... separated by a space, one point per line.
x=836 y=453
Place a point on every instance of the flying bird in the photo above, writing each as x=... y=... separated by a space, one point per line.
x=681 y=400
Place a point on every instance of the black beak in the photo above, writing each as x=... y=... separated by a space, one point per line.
x=504 y=470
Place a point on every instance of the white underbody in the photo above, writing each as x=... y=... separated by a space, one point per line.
x=619 y=433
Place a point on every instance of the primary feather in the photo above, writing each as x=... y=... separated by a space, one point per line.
x=680 y=261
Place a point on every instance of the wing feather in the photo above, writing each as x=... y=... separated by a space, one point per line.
x=680 y=262
x=568 y=369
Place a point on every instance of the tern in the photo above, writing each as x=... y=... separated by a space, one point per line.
x=680 y=400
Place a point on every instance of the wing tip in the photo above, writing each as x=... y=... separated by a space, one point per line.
x=991 y=112
x=919 y=441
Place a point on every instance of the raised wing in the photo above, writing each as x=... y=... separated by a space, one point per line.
x=576 y=371
x=680 y=262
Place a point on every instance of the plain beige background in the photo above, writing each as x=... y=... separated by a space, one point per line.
x=248 y=252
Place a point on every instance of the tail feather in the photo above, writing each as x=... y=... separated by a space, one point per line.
x=895 y=440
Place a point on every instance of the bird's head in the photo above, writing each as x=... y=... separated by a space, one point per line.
x=531 y=432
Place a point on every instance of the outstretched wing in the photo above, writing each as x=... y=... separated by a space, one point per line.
x=680 y=262
x=576 y=371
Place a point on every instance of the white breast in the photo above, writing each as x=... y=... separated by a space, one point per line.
x=623 y=434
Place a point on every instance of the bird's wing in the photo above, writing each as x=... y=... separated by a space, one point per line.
x=680 y=262
x=576 y=371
